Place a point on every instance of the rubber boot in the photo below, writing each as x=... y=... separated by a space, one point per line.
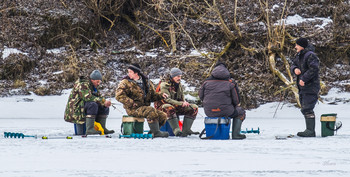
x=102 y=119
x=154 y=126
x=236 y=129
x=174 y=124
x=186 y=127
x=90 y=125
x=310 y=126
x=193 y=133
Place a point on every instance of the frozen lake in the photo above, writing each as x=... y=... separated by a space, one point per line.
x=258 y=155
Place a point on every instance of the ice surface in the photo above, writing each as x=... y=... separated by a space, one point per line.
x=258 y=155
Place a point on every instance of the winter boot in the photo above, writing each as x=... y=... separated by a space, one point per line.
x=102 y=120
x=186 y=127
x=154 y=126
x=236 y=129
x=193 y=133
x=310 y=126
x=174 y=124
x=90 y=125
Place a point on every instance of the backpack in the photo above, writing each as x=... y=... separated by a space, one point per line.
x=158 y=104
x=158 y=86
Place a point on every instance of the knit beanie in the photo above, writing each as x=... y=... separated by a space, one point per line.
x=96 y=75
x=175 y=72
x=302 y=42
x=135 y=67
x=220 y=63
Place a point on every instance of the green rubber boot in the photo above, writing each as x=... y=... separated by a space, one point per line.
x=102 y=119
x=154 y=127
x=186 y=127
x=310 y=126
x=236 y=129
x=174 y=124
x=90 y=125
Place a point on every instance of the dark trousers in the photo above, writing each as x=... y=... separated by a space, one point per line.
x=238 y=113
x=93 y=108
x=308 y=102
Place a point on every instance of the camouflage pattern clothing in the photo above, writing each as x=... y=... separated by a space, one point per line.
x=82 y=93
x=172 y=105
x=137 y=101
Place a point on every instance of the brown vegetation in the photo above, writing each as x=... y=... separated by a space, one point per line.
x=188 y=34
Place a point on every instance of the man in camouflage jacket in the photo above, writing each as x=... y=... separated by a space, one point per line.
x=85 y=105
x=136 y=93
x=176 y=104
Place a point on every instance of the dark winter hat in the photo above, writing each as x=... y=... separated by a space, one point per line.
x=302 y=42
x=96 y=75
x=220 y=63
x=175 y=72
x=135 y=67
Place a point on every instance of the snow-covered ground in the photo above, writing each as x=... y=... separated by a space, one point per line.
x=258 y=155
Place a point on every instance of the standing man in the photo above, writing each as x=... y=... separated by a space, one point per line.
x=176 y=104
x=136 y=93
x=86 y=105
x=306 y=67
x=220 y=96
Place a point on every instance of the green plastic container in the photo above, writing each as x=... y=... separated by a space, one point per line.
x=132 y=125
x=328 y=124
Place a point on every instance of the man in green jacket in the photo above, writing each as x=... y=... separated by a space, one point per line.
x=176 y=104
x=136 y=93
x=86 y=105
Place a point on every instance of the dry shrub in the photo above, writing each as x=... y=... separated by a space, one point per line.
x=42 y=91
x=19 y=84
x=71 y=68
x=16 y=66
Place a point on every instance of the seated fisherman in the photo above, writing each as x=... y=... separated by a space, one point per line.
x=136 y=93
x=176 y=104
x=86 y=105
x=220 y=96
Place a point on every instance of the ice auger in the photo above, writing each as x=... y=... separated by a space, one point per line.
x=251 y=131
x=17 y=135
x=137 y=135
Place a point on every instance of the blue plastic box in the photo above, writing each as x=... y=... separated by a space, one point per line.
x=79 y=129
x=221 y=126
x=166 y=128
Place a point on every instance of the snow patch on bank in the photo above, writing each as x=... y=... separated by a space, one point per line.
x=196 y=53
x=55 y=50
x=8 y=51
x=296 y=19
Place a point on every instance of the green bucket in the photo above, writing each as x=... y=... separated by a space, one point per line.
x=328 y=124
x=132 y=125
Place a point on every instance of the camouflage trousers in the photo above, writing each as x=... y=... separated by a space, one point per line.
x=173 y=111
x=150 y=113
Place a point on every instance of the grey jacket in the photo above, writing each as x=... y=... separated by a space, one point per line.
x=220 y=95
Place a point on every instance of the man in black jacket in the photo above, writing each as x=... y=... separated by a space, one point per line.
x=220 y=96
x=306 y=67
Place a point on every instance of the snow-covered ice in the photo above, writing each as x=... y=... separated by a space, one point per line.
x=258 y=155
